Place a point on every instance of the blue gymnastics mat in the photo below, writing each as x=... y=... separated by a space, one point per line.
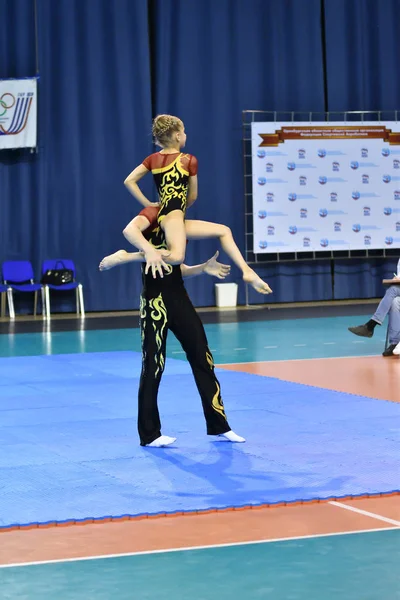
x=70 y=448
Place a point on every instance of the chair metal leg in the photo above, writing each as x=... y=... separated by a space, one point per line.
x=10 y=300
x=78 y=306
x=3 y=304
x=47 y=294
x=44 y=303
x=35 y=304
x=81 y=301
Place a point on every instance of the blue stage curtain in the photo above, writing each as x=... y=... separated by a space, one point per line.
x=17 y=39
x=362 y=54
x=362 y=278
x=19 y=169
x=94 y=125
x=213 y=59
x=108 y=66
x=307 y=281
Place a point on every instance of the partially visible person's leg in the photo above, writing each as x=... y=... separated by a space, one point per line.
x=367 y=330
x=154 y=329
x=394 y=329
x=197 y=230
x=173 y=226
x=120 y=257
x=386 y=303
x=186 y=325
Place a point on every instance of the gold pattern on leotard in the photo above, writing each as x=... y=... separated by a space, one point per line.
x=158 y=315
x=216 y=402
x=172 y=183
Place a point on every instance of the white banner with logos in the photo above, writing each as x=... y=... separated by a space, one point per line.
x=18 y=113
x=322 y=186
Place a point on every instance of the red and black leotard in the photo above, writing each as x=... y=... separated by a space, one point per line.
x=171 y=174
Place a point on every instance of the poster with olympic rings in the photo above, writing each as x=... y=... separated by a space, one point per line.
x=18 y=113
x=325 y=186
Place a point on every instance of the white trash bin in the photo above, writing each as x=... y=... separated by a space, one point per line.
x=226 y=294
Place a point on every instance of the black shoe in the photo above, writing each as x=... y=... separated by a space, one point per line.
x=362 y=330
x=389 y=350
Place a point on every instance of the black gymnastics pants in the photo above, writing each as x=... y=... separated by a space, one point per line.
x=161 y=311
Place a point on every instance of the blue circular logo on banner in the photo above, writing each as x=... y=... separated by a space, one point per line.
x=389 y=240
x=354 y=165
x=261 y=153
x=386 y=178
x=324 y=242
x=293 y=229
x=261 y=181
x=291 y=166
x=387 y=210
x=356 y=195
x=262 y=214
x=292 y=197
x=322 y=179
x=323 y=212
x=321 y=152
x=385 y=151
x=263 y=244
x=356 y=227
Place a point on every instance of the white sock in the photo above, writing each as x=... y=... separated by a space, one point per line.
x=231 y=436
x=397 y=349
x=160 y=442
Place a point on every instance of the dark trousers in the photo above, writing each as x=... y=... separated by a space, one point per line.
x=172 y=310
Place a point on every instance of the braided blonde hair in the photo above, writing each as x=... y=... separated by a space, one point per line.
x=163 y=128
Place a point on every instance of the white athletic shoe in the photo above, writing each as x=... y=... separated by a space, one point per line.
x=397 y=349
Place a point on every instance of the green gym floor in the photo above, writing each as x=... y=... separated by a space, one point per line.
x=362 y=566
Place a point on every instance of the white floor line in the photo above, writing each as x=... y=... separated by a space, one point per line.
x=240 y=348
x=268 y=347
x=329 y=343
x=188 y=548
x=366 y=513
x=255 y=362
x=299 y=345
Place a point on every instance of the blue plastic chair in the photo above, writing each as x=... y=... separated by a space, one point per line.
x=6 y=292
x=18 y=276
x=66 y=263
